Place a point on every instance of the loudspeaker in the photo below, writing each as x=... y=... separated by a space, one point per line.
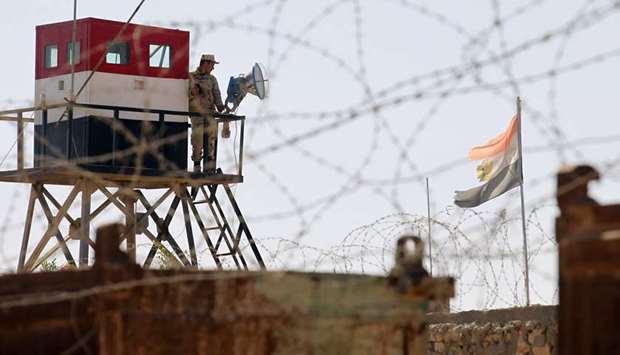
x=254 y=82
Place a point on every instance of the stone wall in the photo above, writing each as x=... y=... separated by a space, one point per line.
x=522 y=331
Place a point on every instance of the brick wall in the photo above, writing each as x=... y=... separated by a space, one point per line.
x=529 y=330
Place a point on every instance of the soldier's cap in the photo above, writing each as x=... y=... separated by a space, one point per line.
x=208 y=58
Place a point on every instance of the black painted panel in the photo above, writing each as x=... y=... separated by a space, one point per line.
x=93 y=138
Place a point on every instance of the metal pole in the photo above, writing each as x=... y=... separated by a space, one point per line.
x=115 y=121
x=85 y=224
x=69 y=138
x=44 y=142
x=20 y=141
x=241 y=139
x=160 y=136
x=525 y=258
x=72 y=53
x=428 y=214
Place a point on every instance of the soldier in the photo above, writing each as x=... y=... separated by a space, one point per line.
x=205 y=98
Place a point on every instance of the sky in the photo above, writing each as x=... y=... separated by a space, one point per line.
x=368 y=98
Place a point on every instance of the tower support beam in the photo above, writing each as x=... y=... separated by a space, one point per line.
x=87 y=191
x=27 y=226
x=222 y=244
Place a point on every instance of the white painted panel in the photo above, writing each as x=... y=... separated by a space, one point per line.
x=117 y=90
x=49 y=87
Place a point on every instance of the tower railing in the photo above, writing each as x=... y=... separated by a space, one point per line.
x=18 y=116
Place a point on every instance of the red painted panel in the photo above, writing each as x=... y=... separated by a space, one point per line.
x=60 y=34
x=95 y=34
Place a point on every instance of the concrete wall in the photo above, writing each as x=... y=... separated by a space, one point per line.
x=530 y=330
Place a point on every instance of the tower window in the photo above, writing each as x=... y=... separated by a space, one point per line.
x=118 y=53
x=70 y=53
x=159 y=56
x=51 y=56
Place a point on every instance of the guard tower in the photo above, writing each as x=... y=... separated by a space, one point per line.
x=123 y=139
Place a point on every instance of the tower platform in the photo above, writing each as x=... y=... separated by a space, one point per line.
x=139 y=179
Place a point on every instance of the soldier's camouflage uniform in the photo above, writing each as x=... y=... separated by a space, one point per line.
x=204 y=97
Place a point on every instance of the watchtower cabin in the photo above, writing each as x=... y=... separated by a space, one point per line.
x=146 y=67
x=124 y=130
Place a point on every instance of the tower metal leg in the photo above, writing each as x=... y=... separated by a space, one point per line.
x=62 y=211
x=43 y=195
x=130 y=223
x=85 y=224
x=190 y=233
x=52 y=229
x=27 y=227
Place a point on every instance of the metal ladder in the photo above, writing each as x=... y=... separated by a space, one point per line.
x=227 y=243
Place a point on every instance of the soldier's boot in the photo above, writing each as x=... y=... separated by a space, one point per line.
x=209 y=167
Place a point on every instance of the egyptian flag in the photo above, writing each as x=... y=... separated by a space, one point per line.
x=500 y=167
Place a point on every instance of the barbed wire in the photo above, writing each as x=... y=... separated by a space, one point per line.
x=476 y=247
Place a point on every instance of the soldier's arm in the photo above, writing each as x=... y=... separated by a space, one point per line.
x=217 y=96
x=191 y=89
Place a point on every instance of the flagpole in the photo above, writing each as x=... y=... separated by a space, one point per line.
x=525 y=258
x=428 y=214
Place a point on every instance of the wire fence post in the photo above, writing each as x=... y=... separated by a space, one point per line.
x=428 y=215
